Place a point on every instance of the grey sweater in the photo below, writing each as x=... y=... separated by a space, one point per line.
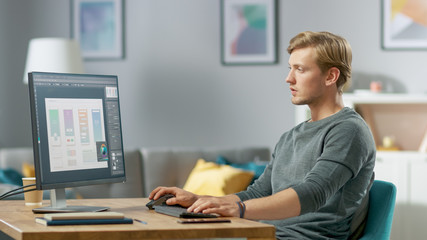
x=329 y=163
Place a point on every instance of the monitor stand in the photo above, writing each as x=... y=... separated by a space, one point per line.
x=58 y=204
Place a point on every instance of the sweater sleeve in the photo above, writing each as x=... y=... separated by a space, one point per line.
x=321 y=184
x=344 y=154
x=261 y=187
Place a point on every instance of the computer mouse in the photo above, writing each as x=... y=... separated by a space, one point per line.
x=159 y=201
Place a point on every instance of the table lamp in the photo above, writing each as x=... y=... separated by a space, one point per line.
x=53 y=55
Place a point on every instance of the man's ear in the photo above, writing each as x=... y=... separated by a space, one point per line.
x=333 y=75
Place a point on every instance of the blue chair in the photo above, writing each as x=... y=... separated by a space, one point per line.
x=382 y=198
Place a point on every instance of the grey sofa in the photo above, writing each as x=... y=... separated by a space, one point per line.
x=147 y=168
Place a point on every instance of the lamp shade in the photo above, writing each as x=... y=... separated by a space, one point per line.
x=53 y=55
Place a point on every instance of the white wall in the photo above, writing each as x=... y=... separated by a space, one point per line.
x=174 y=90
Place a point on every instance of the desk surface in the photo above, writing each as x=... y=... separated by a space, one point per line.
x=17 y=221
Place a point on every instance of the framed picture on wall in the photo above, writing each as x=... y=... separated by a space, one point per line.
x=404 y=24
x=98 y=27
x=248 y=32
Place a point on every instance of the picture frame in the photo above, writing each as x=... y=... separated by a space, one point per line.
x=98 y=26
x=404 y=26
x=248 y=32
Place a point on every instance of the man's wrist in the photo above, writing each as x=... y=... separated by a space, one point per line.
x=242 y=208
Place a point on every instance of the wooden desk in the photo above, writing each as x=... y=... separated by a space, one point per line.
x=17 y=221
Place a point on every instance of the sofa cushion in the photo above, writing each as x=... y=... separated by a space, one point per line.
x=10 y=176
x=208 y=178
x=28 y=170
x=164 y=166
x=15 y=157
x=256 y=167
x=129 y=189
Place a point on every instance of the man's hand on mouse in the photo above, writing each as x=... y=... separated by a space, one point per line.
x=182 y=197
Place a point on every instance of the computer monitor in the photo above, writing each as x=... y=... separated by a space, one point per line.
x=77 y=137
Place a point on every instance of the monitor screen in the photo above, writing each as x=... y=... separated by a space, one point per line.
x=77 y=138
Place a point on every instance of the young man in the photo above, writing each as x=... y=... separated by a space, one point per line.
x=317 y=184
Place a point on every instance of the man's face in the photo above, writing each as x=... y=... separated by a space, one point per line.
x=306 y=80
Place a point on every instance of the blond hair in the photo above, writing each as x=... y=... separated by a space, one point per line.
x=331 y=51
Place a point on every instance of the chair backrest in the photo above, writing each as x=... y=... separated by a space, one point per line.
x=382 y=198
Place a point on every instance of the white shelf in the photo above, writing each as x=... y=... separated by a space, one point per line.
x=384 y=98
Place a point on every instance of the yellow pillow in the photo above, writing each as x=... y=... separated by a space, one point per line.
x=208 y=178
x=28 y=170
